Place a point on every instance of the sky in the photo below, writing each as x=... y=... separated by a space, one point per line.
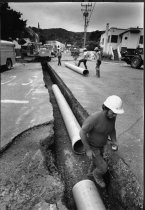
x=68 y=15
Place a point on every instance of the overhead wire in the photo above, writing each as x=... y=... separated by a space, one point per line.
x=91 y=14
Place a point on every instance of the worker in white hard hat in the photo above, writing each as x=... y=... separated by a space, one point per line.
x=95 y=132
x=84 y=57
x=98 y=58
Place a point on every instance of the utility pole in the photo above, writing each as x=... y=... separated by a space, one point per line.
x=86 y=9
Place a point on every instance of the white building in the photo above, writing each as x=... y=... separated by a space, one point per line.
x=56 y=44
x=114 y=40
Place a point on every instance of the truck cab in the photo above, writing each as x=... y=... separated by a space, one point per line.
x=135 y=58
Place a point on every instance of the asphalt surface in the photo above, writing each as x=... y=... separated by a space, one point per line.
x=25 y=101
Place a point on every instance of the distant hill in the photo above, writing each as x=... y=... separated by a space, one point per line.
x=68 y=37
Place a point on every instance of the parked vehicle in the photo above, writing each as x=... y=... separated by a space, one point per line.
x=29 y=50
x=134 y=58
x=7 y=54
x=43 y=53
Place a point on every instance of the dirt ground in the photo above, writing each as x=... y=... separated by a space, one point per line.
x=29 y=178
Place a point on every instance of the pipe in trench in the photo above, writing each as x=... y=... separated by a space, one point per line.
x=80 y=70
x=75 y=106
x=85 y=193
x=70 y=121
x=86 y=196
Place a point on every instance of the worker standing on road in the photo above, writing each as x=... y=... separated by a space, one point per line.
x=96 y=130
x=84 y=58
x=98 y=58
x=59 y=55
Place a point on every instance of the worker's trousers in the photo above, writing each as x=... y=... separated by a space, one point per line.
x=99 y=164
x=84 y=61
x=98 y=68
x=59 y=61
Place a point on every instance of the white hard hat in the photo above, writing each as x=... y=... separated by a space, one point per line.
x=115 y=104
x=96 y=48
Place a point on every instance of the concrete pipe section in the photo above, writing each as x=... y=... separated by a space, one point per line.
x=85 y=192
x=86 y=196
x=71 y=123
x=85 y=72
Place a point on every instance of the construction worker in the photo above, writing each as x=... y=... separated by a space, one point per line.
x=95 y=132
x=98 y=58
x=84 y=58
x=59 y=55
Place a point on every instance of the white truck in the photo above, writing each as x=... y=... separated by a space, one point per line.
x=7 y=54
x=43 y=53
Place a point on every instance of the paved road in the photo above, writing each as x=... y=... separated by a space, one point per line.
x=122 y=80
x=24 y=100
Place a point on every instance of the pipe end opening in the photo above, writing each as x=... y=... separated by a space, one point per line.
x=78 y=147
x=85 y=72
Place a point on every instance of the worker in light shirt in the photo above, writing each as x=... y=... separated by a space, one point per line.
x=84 y=58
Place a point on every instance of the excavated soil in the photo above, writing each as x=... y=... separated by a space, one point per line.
x=29 y=178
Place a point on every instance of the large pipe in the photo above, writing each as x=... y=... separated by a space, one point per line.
x=70 y=121
x=86 y=196
x=85 y=72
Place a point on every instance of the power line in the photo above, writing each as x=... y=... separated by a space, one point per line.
x=86 y=9
x=91 y=13
x=87 y=13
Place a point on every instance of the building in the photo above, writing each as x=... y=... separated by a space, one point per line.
x=115 y=40
x=56 y=45
x=131 y=39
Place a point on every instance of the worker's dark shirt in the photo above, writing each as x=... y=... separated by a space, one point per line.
x=97 y=127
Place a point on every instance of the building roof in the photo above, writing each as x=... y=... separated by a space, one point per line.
x=132 y=30
x=118 y=28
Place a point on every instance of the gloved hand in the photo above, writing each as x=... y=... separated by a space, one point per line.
x=90 y=154
x=114 y=146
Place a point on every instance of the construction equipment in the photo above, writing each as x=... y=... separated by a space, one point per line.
x=134 y=58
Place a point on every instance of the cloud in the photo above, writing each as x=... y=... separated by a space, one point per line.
x=68 y=15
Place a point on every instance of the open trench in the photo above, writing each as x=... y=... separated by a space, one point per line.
x=122 y=188
x=24 y=182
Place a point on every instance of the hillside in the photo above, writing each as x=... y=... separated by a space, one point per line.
x=68 y=37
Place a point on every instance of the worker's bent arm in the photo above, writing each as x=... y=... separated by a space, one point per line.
x=113 y=136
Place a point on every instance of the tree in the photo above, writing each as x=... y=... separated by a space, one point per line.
x=95 y=35
x=90 y=45
x=12 y=25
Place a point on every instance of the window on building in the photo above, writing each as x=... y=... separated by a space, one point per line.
x=141 y=40
x=114 y=38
